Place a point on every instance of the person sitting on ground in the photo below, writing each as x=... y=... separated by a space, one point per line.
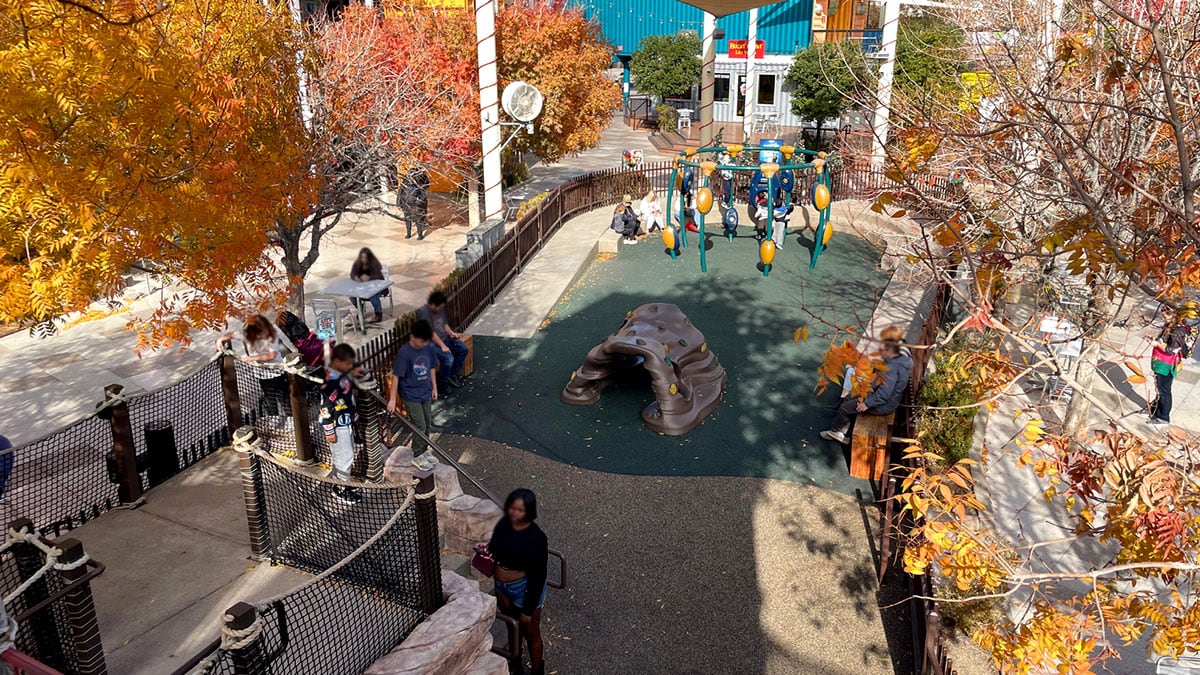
x=452 y=351
x=625 y=220
x=520 y=549
x=885 y=393
x=414 y=379
x=652 y=212
x=339 y=411
x=367 y=267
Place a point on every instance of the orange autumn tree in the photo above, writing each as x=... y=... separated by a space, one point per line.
x=144 y=135
x=565 y=56
x=1076 y=185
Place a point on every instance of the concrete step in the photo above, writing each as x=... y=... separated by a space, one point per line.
x=461 y=565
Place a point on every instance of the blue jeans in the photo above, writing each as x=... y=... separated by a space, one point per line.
x=516 y=591
x=376 y=303
x=452 y=361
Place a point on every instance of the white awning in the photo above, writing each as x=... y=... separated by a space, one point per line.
x=720 y=8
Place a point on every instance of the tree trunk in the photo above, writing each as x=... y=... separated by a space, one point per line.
x=289 y=243
x=1076 y=421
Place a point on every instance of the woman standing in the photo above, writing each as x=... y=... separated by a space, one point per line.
x=367 y=267
x=519 y=548
x=264 y=344
x=1170 y=350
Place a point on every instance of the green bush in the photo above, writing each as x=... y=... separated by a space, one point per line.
x=668 y=118
x=530 y=204
x=946 y=414
x=514 y=169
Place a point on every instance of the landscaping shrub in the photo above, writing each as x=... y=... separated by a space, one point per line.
x=943 y=425
x=668 y=118
x=530 y=204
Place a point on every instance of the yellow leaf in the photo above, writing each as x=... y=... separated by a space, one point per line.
x=800 y=334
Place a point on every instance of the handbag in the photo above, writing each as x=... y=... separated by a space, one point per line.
x=1165 y=363
x=483 y=561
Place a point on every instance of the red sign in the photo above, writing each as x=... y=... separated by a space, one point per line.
x=738 y=49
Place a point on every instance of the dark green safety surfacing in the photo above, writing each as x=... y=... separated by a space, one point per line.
x=769 y=421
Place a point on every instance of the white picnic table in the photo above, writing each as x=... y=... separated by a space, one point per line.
x=360 y=290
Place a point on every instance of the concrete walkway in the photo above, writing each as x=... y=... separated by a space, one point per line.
x=522 y=307
x=173 y=566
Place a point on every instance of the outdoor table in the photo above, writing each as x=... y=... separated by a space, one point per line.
x=361 y=290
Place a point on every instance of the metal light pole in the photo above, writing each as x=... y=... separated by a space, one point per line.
x=489 y=107
x=751 y=76
x=707 y=76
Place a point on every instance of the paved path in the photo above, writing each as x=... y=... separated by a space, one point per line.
x=529 y=297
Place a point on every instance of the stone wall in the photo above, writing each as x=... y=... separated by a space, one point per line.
x=455 y=639
x=463 y=520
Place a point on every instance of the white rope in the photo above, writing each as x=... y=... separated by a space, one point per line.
x=291 y=365
x=52 y=553
x=233 y=638
x=111 y=399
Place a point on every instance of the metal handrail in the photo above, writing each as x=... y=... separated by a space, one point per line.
x=446 y=458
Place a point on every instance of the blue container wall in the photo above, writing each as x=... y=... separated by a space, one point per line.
x=786 y=26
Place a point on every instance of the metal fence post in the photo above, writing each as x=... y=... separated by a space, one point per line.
x=301 y=427
x=246 y=443
x=41 y=625
x=428 y=551
x=129 y=485
x=244 y=630
x=229 y=390
x=372 y=418
x=81 y=613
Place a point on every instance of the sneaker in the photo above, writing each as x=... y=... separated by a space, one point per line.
x=346 y=495
x=455 y=382
x=835 y=435
x=1155 y=422
x=631 y=241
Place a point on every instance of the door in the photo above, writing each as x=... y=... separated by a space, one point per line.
x=723 y=108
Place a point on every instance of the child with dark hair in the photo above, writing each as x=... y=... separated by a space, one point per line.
x=414 y=379
x=338 y=414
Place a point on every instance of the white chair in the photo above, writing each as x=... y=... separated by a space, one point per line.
x=390 y=296
x=685 y=119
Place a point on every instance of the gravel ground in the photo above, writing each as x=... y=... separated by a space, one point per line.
x=701 y=574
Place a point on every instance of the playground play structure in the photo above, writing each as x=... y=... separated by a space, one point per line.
x=770 y=196
x=684 y=373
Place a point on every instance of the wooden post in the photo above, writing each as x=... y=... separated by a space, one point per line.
x=129 y=482
x=248 y=658
x=229 y=390
x=245 y=442
x=41 y=625
x=301 y=428
x=80 y=612
x=429 y=554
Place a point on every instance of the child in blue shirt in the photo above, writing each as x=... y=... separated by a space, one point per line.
x=414 y=379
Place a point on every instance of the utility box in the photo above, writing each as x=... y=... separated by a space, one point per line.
x=480 y=240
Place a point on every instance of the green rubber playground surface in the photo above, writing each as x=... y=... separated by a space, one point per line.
x=769 y=421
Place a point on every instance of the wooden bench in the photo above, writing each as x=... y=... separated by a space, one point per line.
x=469 y=362
x=869 y=444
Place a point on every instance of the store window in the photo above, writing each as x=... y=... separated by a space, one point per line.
x=766 y=90
x=721 y=88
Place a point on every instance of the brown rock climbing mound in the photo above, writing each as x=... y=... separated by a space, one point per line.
x=687 y=380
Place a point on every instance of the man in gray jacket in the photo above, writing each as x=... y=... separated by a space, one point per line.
x=885 y=395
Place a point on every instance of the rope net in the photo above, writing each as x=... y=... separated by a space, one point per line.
x=194 y=411
x=45 y=635
x=367 y=596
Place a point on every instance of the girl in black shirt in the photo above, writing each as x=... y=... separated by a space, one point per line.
x=519 y=548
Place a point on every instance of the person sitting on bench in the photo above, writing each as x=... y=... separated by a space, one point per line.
x=885 y=394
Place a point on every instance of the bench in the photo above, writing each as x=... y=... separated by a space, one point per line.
x=610 y=241
x=870 y=440
x=469 y=362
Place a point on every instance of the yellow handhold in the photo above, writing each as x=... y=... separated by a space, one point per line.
x=821 y=197
x=668 y=237
x=674 y=390
x=691 y=151
x=628 y=315
x=788 y=151
x=708 y=166
x=703 y=347
x=572 y=374
x=735 y=149
x=769 y=169
x=704 y=199
x=766 y=252
x=828 y=233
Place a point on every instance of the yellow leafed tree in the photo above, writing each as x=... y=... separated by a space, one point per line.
x=142 y=135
